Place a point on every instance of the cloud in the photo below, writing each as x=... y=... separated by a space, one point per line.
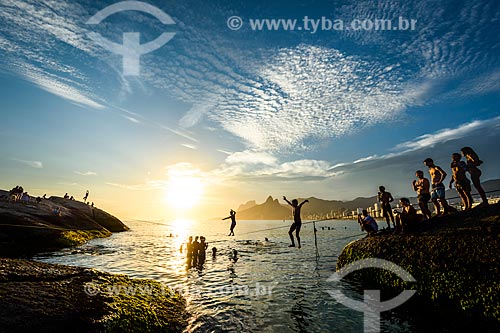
x=147 y=186
x=425 y=143
x=30 y=31
x=33 y=164
x=251 y=157
x=447 y=134
x=69 y=184
x=189 y=146
x=131 y=119
x=86 y=173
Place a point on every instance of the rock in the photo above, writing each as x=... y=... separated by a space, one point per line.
x=29 y=228
x=454 y=259
x=38 y=297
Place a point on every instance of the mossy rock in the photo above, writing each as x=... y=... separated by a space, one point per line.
x=455 y=261
x=39 y=297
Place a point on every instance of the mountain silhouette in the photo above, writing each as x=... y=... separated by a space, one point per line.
x=271 y=209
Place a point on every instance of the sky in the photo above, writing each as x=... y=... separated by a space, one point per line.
x=222 y=112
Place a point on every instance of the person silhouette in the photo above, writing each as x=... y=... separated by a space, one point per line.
x=232 y=216
x=297 y=222
x=86 y=196
x=473 y=162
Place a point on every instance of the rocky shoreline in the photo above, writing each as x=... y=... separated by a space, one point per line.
x=28 y=228
x=55 y=298
x=43 y=297
x=454 y=259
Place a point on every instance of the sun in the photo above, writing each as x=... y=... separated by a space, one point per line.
x=183 y=192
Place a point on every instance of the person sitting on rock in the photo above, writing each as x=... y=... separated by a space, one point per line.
x=367 y=223
x=422 y=186
x=57 y=211
x=408 y=218
x=25 y=198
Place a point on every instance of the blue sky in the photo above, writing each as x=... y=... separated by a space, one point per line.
x=331 y=114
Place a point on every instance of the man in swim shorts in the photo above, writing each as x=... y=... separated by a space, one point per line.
x=297 y=222
x=438 y=190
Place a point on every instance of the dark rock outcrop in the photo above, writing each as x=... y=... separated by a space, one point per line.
x=32 y=227
x=454 y=259
x=38 y=297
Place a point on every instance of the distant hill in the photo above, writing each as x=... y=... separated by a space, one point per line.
x=247 y=205
x=273 y=210
x=269 y=210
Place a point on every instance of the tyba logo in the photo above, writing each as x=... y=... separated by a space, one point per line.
x=131 y=49
x=371 y=305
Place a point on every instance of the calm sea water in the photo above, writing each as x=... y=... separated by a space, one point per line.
x=270 y=288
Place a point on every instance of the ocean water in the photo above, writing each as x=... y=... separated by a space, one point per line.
x=269 y=288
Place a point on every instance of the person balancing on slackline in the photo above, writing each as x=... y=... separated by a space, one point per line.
x=232 y=216
x=297 y=222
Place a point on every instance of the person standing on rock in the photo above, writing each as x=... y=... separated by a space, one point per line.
x=385 y=199
x=473 y=162
x=462 y=183
x=438 y=190
x=86 y=196
x=297 y=222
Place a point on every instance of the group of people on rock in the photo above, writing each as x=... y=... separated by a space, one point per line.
x=85 y=198
x=430 y=190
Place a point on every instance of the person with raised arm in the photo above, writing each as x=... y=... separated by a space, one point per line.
x=232 y=216
x=297 y=222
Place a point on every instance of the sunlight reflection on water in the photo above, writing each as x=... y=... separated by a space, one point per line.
x=269 y=288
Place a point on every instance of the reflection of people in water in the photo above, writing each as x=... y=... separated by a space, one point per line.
x=297 y=222
x=232 y=216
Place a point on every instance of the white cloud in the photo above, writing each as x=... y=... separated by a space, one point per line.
x=33 y=164
x=189 y=146
x=251 y=157
x=131 y=119
x=86 y=173
x=447 y=134
x=147 y=186
x=429 y=140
